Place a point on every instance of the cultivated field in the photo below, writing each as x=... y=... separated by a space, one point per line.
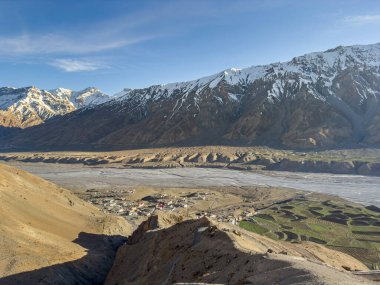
x=343 y=226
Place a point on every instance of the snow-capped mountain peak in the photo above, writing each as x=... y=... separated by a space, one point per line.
x=85 y=98
x=307 y=69
x=24 y=107
x=333 y=88
x=320 y=99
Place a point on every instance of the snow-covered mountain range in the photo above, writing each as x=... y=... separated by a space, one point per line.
x=321 y=99
x=29 y=106
x=314 y=68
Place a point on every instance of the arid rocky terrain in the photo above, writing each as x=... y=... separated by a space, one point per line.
x=190 y=170
x=316 y=113
x=49 y=236
x=349 y=161
x=169 y=250
x=170 y=235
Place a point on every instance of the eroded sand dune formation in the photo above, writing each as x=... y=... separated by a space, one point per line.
x=362 y=162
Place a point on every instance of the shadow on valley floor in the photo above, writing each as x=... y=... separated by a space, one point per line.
x=88 y=270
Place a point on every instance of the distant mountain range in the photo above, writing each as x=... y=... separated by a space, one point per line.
x=322 y=99
x=30 y=106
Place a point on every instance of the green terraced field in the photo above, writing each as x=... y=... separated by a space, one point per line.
x=340 y=225
x=253 y=227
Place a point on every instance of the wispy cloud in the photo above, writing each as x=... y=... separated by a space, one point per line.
x=69 y=50
x=75 y=65
x=69 y=47
x=94 y=37
x=362 y=19
x=118 y=32
x=53 y=43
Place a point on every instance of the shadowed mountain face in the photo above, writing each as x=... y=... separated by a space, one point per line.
x=321 y=99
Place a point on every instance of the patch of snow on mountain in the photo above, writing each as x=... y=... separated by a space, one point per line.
x=235 y=97
x=88 y=97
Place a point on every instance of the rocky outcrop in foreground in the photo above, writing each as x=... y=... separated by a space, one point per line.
x=166 y=250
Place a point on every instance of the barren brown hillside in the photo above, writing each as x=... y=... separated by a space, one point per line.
x=49 y=236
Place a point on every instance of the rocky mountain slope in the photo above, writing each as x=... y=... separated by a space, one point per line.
x=49 y=236
x=29 y=106
x=168 y=250
x=322 y=99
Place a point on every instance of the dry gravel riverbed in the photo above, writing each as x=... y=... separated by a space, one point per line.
x=361 y=189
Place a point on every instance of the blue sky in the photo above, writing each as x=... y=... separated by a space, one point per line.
x=113 y=44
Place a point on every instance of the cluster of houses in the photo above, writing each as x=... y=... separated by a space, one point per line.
x=118 y=202
x=228 y=217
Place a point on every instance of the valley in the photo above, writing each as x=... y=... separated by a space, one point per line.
x=268 y=174
x=278 y=205
x=76 y=176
